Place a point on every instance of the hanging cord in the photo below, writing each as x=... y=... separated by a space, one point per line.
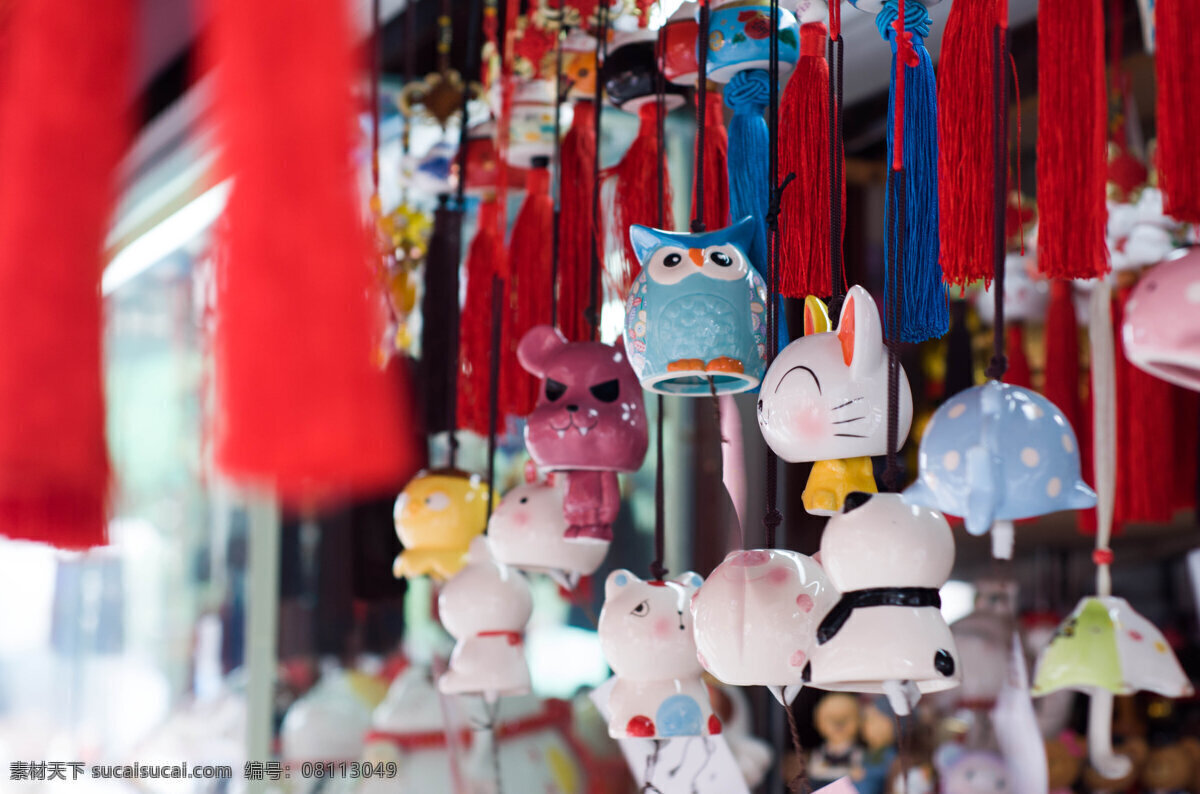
x=494 y=386
x=376 y=71
x=799 y=782
x=897 y=217
x=593 y=309
x=556 y=170
x=999 y=363
x=1104 y=423
x=836 y=160
x=658 y=568
x=701 y=118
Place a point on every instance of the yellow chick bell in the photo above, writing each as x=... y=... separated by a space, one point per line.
x=436 y=516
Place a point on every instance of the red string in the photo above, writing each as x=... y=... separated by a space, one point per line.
x=835 y=20
x=904 y=55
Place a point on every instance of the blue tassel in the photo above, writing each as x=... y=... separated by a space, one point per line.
x=924 y=313
x=749 y=149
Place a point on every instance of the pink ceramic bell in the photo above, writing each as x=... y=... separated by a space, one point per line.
x=646 y=637
x=589 y=422
x=526 y=532
x=1161 y=325
x=887 y=634
x=485 y=608
x=756 y=618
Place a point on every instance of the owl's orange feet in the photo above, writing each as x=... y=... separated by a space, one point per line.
x=685 y=365
x=724 y=364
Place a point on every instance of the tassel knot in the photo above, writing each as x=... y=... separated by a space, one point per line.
x=749 y=91
x=916 y=21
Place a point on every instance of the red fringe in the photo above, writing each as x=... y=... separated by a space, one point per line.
x=1186 y=406
x=529 y=288
x=475 y=324
x=635 y=200
x=63 y=127
x=804 y=133
x=1072 y=156
x=1177 y=65
x=301 y=406
x=575 y=224
x=966 y=124
x=1018 y=373
x=716 y=164
x=1061 y=383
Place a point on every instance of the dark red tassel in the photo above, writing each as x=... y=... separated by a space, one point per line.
x=529 y=287
x=1018 y=372
x=575 y=223
x=475 y=324
x=1071 y=153
x=716 y=164
x=301 y=407
x=1186 y=406
x=1061 y=382
x=63 y=127
x=1177 y=65
x=636 y=197
x=966 y=129
x=804 y=151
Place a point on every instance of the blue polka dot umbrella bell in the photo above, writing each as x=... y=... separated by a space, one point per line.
x=996 y=453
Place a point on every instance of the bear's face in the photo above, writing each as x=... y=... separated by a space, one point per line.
x=646 y=627
x=484 y=596
x=527 y=532
x=589 y=413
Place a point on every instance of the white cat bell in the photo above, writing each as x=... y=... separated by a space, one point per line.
x=886 y=634
x=825 y=399
x=527 y=532
x=646 y=636
x=756 y=618
x=485 y=608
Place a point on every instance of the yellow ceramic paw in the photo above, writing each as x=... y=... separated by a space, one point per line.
x=831 y=480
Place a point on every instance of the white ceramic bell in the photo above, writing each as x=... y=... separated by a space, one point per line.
x=886 y=634
x=756 y=618
x=646 y=636
x=531 y=131
x=527 y=532
x=485 y=608
x=327 y=723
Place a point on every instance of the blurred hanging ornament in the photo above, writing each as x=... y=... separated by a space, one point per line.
x=645 y=633
x=485 y=260
x=886 y=635
x=532 y=133
x=996 y=453
x=404 y=235
x=1160 y=321
x=436 y=515
x=485 y=607
x=677 y=38
x=528 y=531
x=756 y=618
x=439 y=95
x=694 y=320
x=579 y=72
x=576 y=180
x=825 y=400
x=589 y=422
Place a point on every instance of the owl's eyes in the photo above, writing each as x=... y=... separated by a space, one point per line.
x=554 y=389
x=669 y=265
x=721 y=259
x=724 y=262
x=671 y=260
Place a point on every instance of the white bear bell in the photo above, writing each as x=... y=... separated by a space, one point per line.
x=646 y=637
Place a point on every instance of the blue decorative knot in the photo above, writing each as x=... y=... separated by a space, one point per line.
x=916 y=19
x=749 y=91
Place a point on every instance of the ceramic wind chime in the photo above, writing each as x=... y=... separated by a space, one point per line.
x=1160 y=321
x=694 y=320
x=437 y=515
x=825 y=400
x=589 y=424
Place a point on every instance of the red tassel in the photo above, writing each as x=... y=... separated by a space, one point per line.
x=1061 y=383
x=636 y=197
x=575 y=224
x=966 y=126
x=1177 y=65
x=1186 y=407
x=804 y=132
x=529 y=287
x=301 y=406
x=716 y=164
x=1072 y=157
x=1018 y=372
x=475 y=326
x=63 y=127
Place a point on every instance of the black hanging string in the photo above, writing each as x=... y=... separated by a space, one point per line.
x=658 y=568
x=593 y=309
x=556 y=171
x=999 y=363
x=701 y=119
x=836 y=166
x=896 y=210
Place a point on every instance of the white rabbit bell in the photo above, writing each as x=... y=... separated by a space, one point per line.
x=824 y=399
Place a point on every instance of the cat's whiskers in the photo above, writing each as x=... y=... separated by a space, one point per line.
x=848 y=402
x=844 y=421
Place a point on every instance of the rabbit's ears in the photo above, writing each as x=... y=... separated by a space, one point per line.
x=860 y=333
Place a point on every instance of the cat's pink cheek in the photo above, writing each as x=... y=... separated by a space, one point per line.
x=809 y=421
x=662 y=628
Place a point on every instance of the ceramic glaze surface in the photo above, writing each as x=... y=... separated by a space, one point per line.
x=589 y=413
x=678 y=39
x=526 y=532
x=887 y=545
x=646 y=636
x=436 y=516
x=1161 y=330
x=739 y=39
x=531 y=130
x=999 y=452
x=696 y=311
x=825 y=395
x=485 y=608
x=756 y=616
